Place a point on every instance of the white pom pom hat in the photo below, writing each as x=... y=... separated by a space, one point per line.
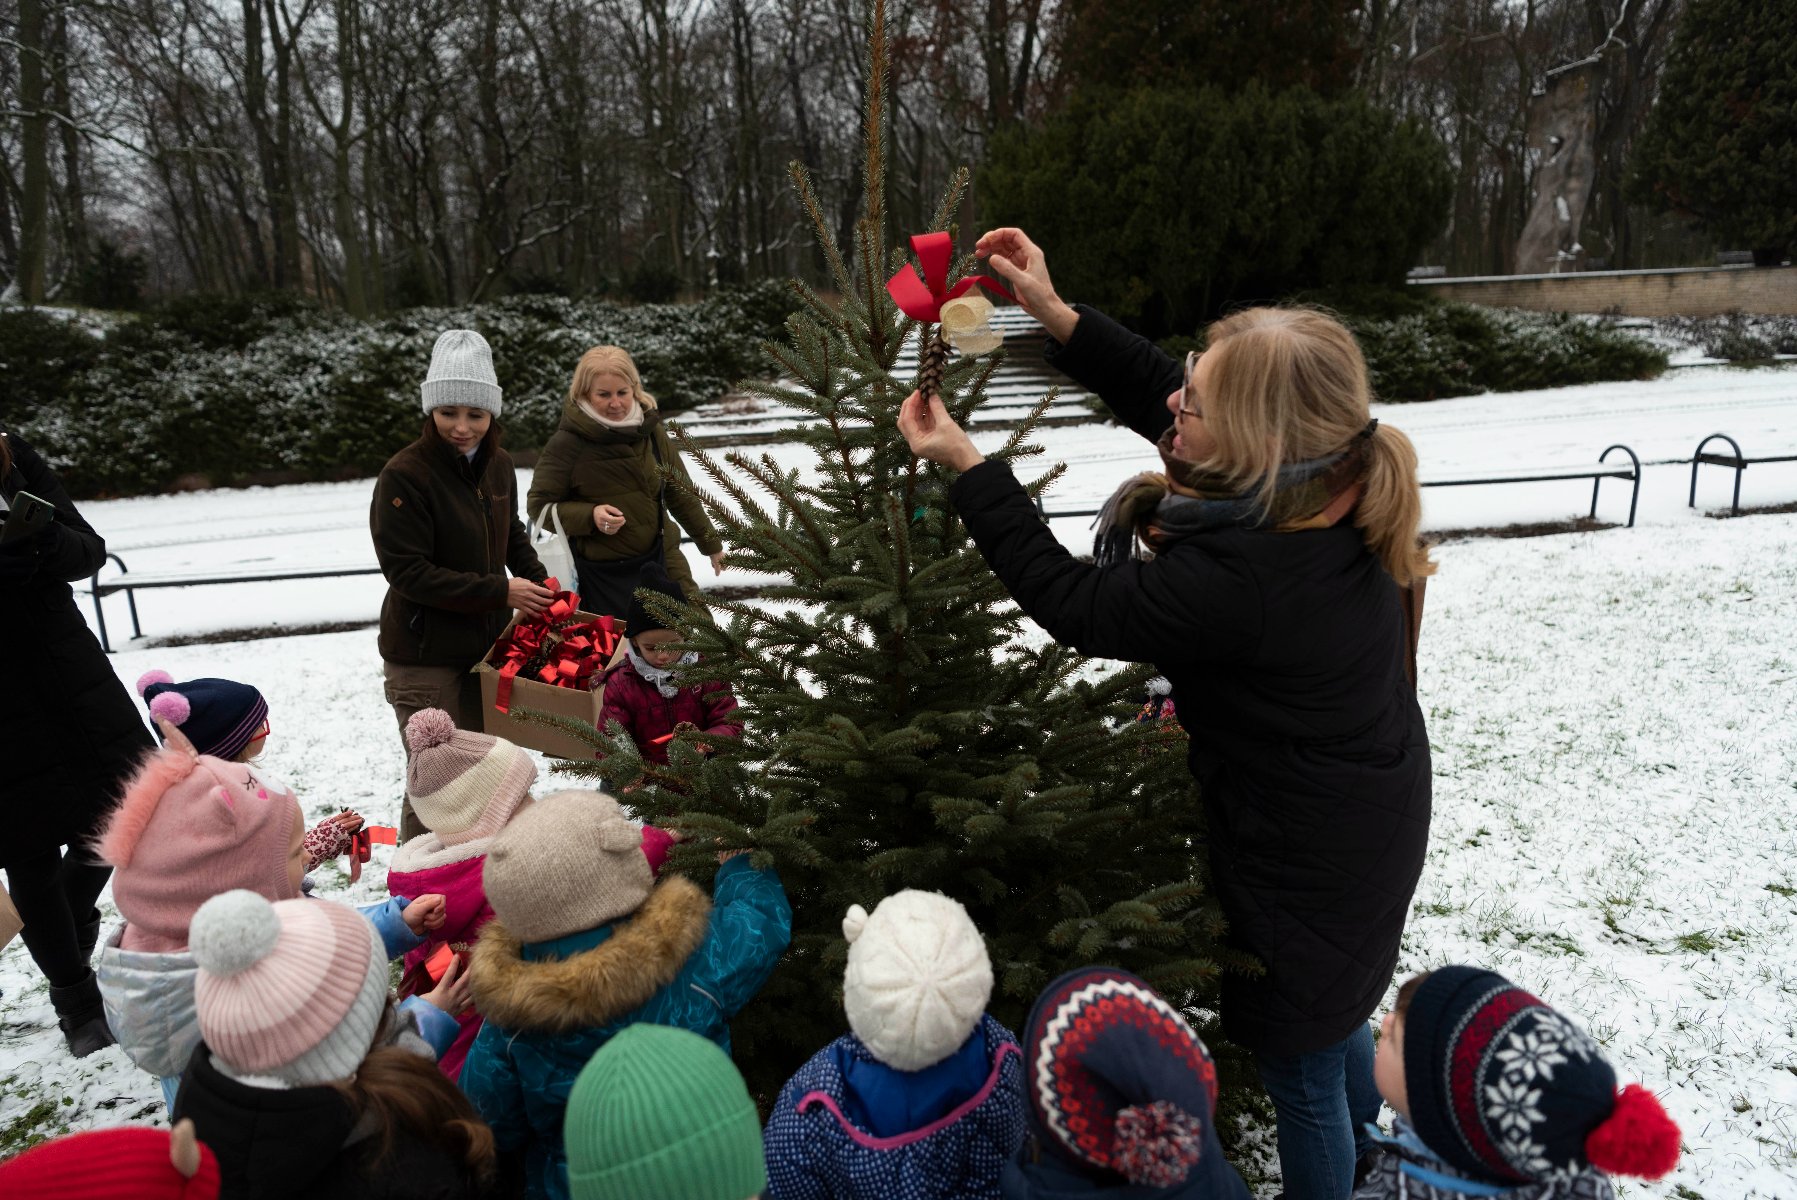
x=290 y=992
x=918 y=978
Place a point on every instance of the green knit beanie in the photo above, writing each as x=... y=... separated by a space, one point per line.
x=662 y=1112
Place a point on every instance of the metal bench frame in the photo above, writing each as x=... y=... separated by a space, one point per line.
x=1738 y=461
x=124 y=583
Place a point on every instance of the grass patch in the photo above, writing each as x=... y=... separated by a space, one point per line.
x=39 y=1123
x=1782 y=889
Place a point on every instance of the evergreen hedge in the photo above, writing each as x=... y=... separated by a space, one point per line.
x=271 y=388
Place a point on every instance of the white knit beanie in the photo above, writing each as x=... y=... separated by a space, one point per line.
x=462 y=373
x=918 y=978
x=289 y=993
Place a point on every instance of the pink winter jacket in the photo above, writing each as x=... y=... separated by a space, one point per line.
x=425 y=865
x=646 y=714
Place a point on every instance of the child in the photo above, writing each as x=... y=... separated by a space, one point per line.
x=640 y=693
x=925 y=1097
x=1499 y=1095
x=297 y=1087
x=1123 y=1097
x=662 y=1112
x=229 y=720
x=189 y=827
x=106 y=1164
x=463 y=787
x=584 y=944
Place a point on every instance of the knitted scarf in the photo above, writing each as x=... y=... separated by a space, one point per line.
x=661 y=677
x=630 y=420
x=1153 y=510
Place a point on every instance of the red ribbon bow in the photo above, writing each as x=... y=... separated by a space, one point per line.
x=922 y=298
x=575 y=655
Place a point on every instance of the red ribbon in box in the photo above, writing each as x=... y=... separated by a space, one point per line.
x=553 y=648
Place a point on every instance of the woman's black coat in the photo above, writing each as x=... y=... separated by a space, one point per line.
x=70 y=734
x=1286 y=654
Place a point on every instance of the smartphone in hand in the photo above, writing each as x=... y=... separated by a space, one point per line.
x=28 y=517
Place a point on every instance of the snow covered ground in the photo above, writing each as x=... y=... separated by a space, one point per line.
x=1616 y=763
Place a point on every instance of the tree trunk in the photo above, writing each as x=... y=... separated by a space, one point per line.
x=74 y=204
x=34 y=145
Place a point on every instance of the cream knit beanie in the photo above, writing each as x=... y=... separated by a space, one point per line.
x=461 y=373
x=568 y=862
x=918 y=978
x=291 y=991
x=463 y=785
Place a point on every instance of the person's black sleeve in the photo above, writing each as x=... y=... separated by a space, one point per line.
x=1131 y=374
x=68 y=548
x=1184 y=608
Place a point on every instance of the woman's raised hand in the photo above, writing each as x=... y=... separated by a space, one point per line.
x=527 y=597
x=607 y=519
x=1022 y=264
x=933 y=434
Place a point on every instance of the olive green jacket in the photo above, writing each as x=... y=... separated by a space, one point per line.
x=586 y=464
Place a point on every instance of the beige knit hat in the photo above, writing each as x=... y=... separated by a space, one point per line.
x=568 y=862
x=918 y=978
x=463 y=785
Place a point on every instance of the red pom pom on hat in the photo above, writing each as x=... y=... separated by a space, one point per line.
x=1636 y=1139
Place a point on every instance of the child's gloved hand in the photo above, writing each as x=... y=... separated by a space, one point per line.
x=330 y=838
x=451 y=993
x=425 y=914
x=688 y=728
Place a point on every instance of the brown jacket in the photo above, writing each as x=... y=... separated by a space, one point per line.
x=586 y=464
x=445 y=532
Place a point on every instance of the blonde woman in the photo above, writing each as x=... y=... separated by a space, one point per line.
x=604 y=471
x=1278 y=539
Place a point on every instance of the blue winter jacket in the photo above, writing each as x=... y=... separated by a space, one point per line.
x=679 y=960
x=816 y=1150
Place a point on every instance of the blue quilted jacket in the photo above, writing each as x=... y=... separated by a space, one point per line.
x=679 y=960
x=816 y=1151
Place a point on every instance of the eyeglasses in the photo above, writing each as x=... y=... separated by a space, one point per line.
x=1186 y=407
x=262 y=732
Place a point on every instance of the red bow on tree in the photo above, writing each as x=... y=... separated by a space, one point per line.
x=923 y=298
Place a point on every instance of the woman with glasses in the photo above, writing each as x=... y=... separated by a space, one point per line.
x=69 y=734
x=1261 y=571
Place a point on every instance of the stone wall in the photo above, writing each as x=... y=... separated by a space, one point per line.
x=1683 y=292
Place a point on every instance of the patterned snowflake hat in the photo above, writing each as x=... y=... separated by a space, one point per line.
x=1507 y=1089
x=1119 y=1084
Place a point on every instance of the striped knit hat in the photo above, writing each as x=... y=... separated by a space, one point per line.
x=292 y=991
x=660 y=1111
x=463 y=785
x=219 y=716
x=1506 y=1089
x=105 y=1164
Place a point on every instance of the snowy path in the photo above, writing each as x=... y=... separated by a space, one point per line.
x=1615 y=826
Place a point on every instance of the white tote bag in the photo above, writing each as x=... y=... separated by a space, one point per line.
x=553 y=549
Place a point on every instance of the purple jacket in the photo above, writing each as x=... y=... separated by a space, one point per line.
x=425 y=865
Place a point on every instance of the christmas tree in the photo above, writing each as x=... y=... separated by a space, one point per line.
x=905 y=727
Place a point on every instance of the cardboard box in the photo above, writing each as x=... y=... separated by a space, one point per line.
x=534 y=693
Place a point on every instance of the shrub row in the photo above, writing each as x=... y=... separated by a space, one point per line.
x=238 y=390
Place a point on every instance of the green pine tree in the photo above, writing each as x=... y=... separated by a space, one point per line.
x=1721 y=143
x=903 y=726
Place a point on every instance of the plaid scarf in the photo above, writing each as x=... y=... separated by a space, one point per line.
x=1152 y=511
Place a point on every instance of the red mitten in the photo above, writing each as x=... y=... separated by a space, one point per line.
x=326 y=840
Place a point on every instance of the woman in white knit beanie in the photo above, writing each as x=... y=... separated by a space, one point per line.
x=446 y=530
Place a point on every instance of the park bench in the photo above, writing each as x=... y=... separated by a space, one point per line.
x=131 y=584
x=1597 y=472
x=1738 y=461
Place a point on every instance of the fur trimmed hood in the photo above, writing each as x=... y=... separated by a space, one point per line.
x=596 y=986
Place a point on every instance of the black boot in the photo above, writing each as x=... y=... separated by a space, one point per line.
x=82 y=1016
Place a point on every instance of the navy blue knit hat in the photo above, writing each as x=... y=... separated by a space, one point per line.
x=654 y=577
x=1506 y=1089
x=1121 y=1089
x=218 y=716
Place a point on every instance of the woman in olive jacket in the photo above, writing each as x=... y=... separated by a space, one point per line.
x=604 y=471
x=446 y=530
x=70 y=736
x=1279 y=535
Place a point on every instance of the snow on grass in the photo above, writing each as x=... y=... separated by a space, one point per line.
x=1615 y=823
